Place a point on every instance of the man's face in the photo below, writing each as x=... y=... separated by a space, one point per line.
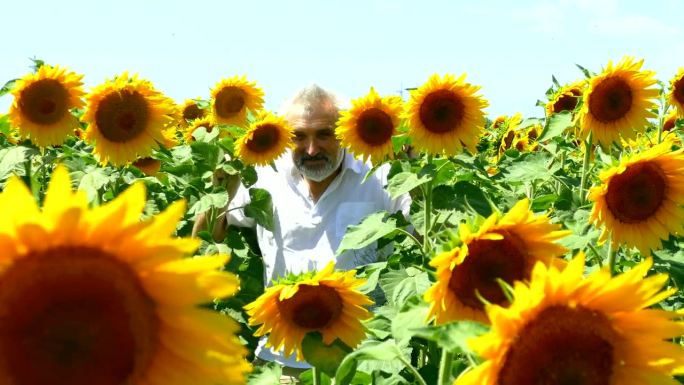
x=317 y=150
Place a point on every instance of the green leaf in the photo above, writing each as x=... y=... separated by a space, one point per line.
x=8 y=87
x=371 y=350
x=407 y=320
x=12 y=160
x=217 y=200
x=368 y=231
x=556 y=125
x=452 y=336
x=92 y=182
x=404 y=182
x=268 y=374
x=260 y=207
x=400 y=285
x=474 y=197
x=322 y=356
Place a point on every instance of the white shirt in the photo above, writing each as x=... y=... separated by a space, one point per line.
x=306 y=234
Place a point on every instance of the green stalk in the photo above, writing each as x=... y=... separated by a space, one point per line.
x=316 y=376
x=611 y=257
x=428 y=212
x=445 y=367
x=585 y=167
x=413 y=370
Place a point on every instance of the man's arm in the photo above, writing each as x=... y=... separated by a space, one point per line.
x=232 y=183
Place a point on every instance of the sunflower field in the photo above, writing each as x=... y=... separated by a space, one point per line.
x=538 y=250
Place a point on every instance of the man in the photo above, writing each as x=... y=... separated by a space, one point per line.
x=317 y=192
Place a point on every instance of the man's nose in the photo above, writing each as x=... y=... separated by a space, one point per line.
x=312 y=147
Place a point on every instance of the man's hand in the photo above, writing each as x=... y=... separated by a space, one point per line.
x=231 y=184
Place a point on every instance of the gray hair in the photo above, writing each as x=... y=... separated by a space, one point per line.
x=313 y=100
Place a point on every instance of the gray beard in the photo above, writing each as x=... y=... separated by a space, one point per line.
x=319 y=174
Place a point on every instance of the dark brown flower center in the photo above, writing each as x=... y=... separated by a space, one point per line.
x=122 y=116
x=508 y=139
x=669 y=123
x=486 y=261
x=565 y=103
x=192 y=112
x=229 y=102
x=74 y=316
x=679 y=90
x=442 y=111
x=264 y=138
x=312 y=307
x=374 y=127
x=636 y=194
x=610 y=100
x=561 y=346
x=44 y=102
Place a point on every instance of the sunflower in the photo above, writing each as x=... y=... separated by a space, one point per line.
x=265 y=140
x=231 y=99
x=566 y=98
x=126 y=118
x=327 y=302
x=206 y=122
x=670 y=122
x=367 y=128
x=505 y=248
x=190 y=110
x=563 y=329
x=445 y=115
x=511 y=132
x=639 y=202
x=149 y=166
x=42 y=101
x=676 y=95
x=618 y=102
x=95 y=296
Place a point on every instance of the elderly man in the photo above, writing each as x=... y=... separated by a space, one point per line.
x=317 y=192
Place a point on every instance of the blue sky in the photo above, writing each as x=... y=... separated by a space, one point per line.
x=510 y=48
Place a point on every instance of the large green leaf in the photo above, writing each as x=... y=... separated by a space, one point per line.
x=260 y=207
x=400 y=285
x=452 y=336
x=368 y=231
x=12 y=160
x=404 y=182
x=555 y=125
x=217 y=201
x=92 y=181
x=322 y=356
x=386 y=351
x=268 y=374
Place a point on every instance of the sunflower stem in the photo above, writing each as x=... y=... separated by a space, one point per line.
x=445 y=367
x=611 y=257
x=428 y=212
x=316 y=376
x=413 y=370
x=661 y=117
x=585 y=168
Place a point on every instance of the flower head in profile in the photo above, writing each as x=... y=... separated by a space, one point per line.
x=676 y=95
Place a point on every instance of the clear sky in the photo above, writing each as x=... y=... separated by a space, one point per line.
x=510 y=48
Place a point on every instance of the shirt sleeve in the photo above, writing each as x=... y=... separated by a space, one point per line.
x=235 y=213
